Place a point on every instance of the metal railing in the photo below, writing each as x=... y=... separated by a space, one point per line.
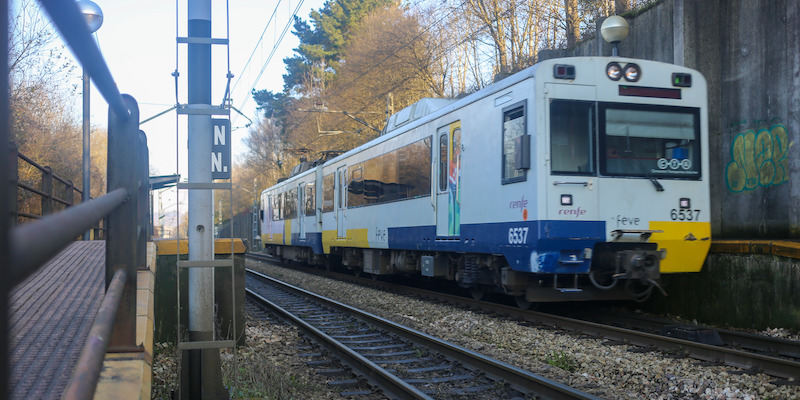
x=50 y=200
x=54 y=193
x=24 y=249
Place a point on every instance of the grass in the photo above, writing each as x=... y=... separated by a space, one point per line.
x=267 y=368
x=562 y=360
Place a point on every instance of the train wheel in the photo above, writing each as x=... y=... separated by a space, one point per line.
x=478 y=292
x=522 y=302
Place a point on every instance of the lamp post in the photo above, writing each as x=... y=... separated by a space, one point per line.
x=94 y=19
x=614 y=30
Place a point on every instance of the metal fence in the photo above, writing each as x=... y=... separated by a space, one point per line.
x=44 y=194
x=25 y=248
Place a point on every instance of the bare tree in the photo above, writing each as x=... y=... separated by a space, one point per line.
x=573 y=21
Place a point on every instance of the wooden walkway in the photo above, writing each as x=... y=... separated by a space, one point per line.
x=51 y=314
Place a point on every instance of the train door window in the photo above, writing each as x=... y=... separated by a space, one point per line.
x=342 y=187
x=443 y=145
x=266 y=201
x=327 y=192
x=571 y=137
x=513 y=127
x=276 y=206
x=308 y=199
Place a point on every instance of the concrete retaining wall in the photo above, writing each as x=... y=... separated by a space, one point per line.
x=748 y=51
x=747 y=291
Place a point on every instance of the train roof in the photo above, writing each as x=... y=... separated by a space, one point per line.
x=415 y=111
x=429 y=109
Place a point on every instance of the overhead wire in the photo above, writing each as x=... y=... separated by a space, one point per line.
x=271 y=54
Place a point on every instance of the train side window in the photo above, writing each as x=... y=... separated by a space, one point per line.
x=571 y=137
x=513 y=127
x=290 y=204
x=355 y=187
x=327 y=192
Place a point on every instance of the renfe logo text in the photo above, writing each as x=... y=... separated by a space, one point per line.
x=518 y=204
x=578 y=212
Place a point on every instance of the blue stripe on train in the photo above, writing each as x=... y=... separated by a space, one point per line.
x=313 y=240
x=549 y=247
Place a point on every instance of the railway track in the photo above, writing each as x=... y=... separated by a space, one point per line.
x=402 y=362
x=756 y=353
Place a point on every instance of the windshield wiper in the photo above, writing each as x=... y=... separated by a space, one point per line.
x=629 y=154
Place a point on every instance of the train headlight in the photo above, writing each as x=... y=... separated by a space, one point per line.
x=566 y=199
x=614 y=71
x=685 y=203
x=632 y=72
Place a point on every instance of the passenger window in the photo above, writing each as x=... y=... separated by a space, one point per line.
x=309 y=199
x=327 y=192
x=513 y=127
x=571 y=133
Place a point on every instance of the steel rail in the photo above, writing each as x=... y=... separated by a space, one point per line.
x=525 y=380
x=83 y=383
x=34 y=243
x=67 y=17
x=774 y=366
x=734 y=339
x=377 y=374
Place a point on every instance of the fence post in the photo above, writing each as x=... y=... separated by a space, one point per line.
x=144 y=186
x=13 y=171
x=47 y=188
x=69 y=193
x=121 y=224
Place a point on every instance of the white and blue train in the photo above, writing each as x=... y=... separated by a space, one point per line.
x=576 y=179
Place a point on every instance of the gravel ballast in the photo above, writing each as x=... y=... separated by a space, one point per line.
x=596 y=366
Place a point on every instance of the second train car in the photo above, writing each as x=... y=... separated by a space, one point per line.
x=576 y=179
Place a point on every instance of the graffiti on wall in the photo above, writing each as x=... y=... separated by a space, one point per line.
x=758 y=155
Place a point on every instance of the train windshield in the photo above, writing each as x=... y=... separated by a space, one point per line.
x=649 y=141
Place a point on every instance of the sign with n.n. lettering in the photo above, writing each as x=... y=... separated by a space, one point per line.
x=221 y=149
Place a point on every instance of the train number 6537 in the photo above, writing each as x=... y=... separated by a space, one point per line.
x=684 y=215
x=518 y=235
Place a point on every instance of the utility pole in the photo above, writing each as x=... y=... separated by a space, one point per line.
x=204 y=370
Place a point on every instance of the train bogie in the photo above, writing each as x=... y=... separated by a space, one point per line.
x=542 y=186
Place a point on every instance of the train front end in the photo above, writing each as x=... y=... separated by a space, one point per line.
x=626 y=174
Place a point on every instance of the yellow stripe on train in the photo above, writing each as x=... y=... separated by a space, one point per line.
x=272 y=238
x=354 y=238
x=686 y=243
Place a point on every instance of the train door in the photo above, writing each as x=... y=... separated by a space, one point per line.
x=341 y=200
x=448 y=180
x=572 y=177
x=301 y=210
x=266 y=217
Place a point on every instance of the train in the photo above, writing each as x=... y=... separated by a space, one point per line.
x=576 y=179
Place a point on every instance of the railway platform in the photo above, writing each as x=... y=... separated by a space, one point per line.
x=51 y=314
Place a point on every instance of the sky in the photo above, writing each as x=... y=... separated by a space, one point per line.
x=137 y=40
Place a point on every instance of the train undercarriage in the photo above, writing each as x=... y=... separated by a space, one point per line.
x=618 y=271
